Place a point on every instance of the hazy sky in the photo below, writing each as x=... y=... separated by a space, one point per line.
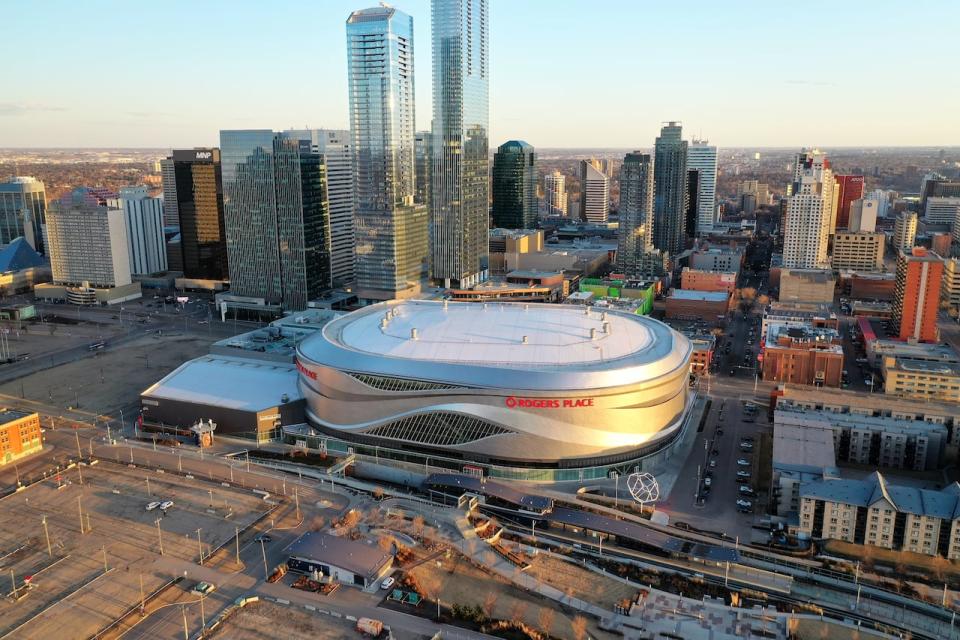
x=564 y=73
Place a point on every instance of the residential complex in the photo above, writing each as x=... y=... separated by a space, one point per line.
x=636 y=212
x=144 y=218
x=904 y=231
x=670 y=189
x=515 y=186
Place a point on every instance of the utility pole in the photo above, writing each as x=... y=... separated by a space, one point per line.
x=148 y=488
x=237 y=533
x=159 y=536
x=79 y=452
x=266 y=573
x=200 y=547
x=296 y=500
x=80 y=511
x=203 y=617
x=47 y=534
x=186 y=634
x=142 y=600
x=13 y=581
x=80 y=471
x=104 y=550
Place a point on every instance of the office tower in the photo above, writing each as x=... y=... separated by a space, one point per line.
x=423 y=157
x=88 y=243
x=515 y=186
x=555 y=194
x=171 y=215
x=759 y=190
x=197 y=188
x=935 y=185
x=849 y=188
x=460 y=194
x=916 y=299
x=23 y=206
x=390 y=227
x=904 y=231
x=858 y=251
x=863 y=215
x=809 y=212
x=670 y=189
x=693 y=198
x=334 y=146
x=146 y=244
x=636 y=213
x=941 y=210
x=275 y=218
x=702 y=157
x=594 y=193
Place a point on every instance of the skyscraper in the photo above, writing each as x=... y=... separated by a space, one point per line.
x=555 y=194
x=198 y=199
x=171 y=215
x=692 y=212
x=904 y=231
x=146 y=244
x=390 y=228
x=515 y=186
x=809 y=212
x=276 y=218
x=334 y=146
x=636 y=212
x=460 y=194
x=702 y=157
x=23 y=206
x=423 y=158
x=916 y=299
x=594 y=193
x=670 y=189
x=849 y=188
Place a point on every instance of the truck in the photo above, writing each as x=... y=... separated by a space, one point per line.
x=370 y=626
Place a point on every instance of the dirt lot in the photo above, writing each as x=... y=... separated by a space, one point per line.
x=583 y=583
x=260 y=621
x=112 y=378
x=90 y=578
x=817 y=630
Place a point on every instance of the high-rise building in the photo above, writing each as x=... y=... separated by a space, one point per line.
x=636 y=212
x=950 y=290
x=390 y=227
x=809 y=212
x=423 y=157
x=594 y=193
x=276 y=218
x=916 y=299
x=941 y=210
x=863 y=215
x=670 y=189
x=702 y=157
x=334 y=146
x=759 y=190
x=849 y=188
x=937 y=186
x=460 y=194
x=555 y=194
x=904 y=231
x=515 y=186
x=23 y=206
x=171 y=215
x=693 y=199
x=197 y=189
x=858 y=251
x=146 y=243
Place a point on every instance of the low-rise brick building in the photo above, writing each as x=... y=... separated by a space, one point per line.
x=20 y=434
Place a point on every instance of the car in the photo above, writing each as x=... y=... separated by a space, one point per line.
x=743 y=475
x=746 y=438
x=745 y=490
x=743 y=462
x=387 y=583
x=746 y=504
x=203 y=322
x=719 y=432
x=868 y=381
x=744 y=509
x=263 y=537
x=746 y=446
x=707 y=482
x=715 y=452
x=166 y=504
x=204 y=588
x=713 y=464
x=153 y=505
x=705 y=492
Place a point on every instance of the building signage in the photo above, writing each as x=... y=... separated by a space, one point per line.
x=307 y=372
x=515 y=402
x=193 y=155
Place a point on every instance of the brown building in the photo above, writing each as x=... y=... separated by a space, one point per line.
x=806 y=285
x=916 y=301
x=803 y=355
x=703 y=347
x=687 y=304
x=701 y=280
x=862 y=286
x=19 y=434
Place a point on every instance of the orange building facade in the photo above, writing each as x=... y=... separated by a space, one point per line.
x=916 y=299
x=20 y=435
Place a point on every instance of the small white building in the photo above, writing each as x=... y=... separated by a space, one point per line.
x=341 y=559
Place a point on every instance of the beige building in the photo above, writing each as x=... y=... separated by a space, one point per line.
x=921 y=378
x=811 y=212
x=904 y=231
x=555 y=194
x=807 y=285
x=858 y=251
x=875 y=512
x=950 y=289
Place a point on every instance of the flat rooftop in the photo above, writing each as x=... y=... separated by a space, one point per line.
x=496 y=333
x=912 y=365
x=700 y=296
x=356 y=557
x=11 y=415
x=805 y=447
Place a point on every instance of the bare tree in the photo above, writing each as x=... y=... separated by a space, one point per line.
x=386 y=543
x=418 y=525
x=545 y=620
x=579 y=627
x=378 y=494
x=351 y=519
x=518 y=611
x=489 y=604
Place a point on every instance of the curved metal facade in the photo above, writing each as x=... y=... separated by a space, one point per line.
x=516 y=413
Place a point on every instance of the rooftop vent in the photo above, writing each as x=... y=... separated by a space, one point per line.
x=524 y=340
x=413 y=333
x=606 y=328
x=593 y=333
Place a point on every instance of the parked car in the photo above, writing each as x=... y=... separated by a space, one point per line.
x=387 y=583
x=746 y=504
x=713 y=464
x=153 y=505
x=743 y=462
x=166 y=504
x=746 y=490
x=743 y=475
x=707 y=481
x=263 y=537
x=205 y=588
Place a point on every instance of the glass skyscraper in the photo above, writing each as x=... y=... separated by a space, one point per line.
x=460 y=193
x=670 y=192
x=702 y=157
x=391 y=229
x=276 y=217
x=198 y=200
x=23 y=210
x=515 y=186
x=636 y=213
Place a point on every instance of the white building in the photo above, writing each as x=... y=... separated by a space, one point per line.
x=950 y=291
x=810 y=211
x=703 y=158
x=942 y=210
x=171 y=213
x=594 y=194
x=904 y=231
x=863 y=215
x=144 y=217
x=555 y=194
x=882 y=196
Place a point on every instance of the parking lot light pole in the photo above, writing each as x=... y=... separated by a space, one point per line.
x=263 y=550
x=159 y=536
x=200 y=547
x=46 y=533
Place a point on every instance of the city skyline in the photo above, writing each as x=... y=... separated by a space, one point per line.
x=693 y=84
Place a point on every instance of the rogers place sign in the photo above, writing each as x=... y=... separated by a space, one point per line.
x=514 y=402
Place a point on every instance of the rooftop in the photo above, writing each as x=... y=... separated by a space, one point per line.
x=19 y=255
x=938 y=504
x=805 y=448
x=819 y=276
x=356 y=557
x=700 y=296
x=10 y=415
x=912 y=365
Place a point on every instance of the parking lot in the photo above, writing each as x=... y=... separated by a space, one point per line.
x=79 y=551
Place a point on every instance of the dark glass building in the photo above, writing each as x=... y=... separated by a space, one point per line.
x=199 y=194
x=693 y=202
x=636 y=213
x=515 y=186
x=670 y=194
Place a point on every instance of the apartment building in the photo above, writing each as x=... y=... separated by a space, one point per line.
x=858 y=251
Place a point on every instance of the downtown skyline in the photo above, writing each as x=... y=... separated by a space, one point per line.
x=709 y=76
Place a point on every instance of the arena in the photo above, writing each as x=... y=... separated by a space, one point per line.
x=498 y=386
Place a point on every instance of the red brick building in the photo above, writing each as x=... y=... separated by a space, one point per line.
x=687 y=304
x=803 y=355
x=19 y=434
x=701 y=280
x=850 y=188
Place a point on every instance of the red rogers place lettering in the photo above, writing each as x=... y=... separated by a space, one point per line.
x=548 y=403
x=307 y=372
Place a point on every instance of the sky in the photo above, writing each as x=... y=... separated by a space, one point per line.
x=564 y=73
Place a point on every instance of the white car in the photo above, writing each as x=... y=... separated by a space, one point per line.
x=387 y=583
x=743 y=462
x=707 y=481
x=152 y=506
x=746 y=504
x=166 y=504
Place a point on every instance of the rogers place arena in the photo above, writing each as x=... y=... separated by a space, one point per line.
x=529 y=391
